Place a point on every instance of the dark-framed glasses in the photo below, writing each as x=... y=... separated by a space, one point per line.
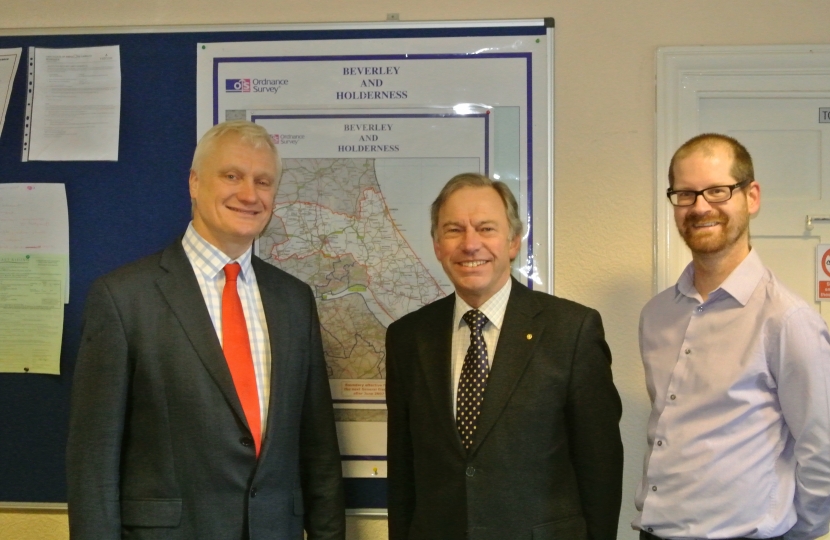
x=714 y=194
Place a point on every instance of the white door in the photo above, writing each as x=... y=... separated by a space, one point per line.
x=790 y=149
x=771 y=99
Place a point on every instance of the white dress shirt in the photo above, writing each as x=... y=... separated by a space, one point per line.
x=739 y=432
x=493 y=309
x=209 y=266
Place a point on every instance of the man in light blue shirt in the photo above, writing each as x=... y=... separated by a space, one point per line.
x=738 y=372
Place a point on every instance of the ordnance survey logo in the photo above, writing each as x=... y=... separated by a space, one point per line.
x=254 y=85
x=286 y=139
x=237 y=85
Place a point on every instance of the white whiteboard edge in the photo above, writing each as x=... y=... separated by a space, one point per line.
x=386 y=25
x=32 y=506
x=551 y=210
x=367 y=512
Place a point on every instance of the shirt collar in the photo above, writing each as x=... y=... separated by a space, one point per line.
x=211 y=260
x=739 y=284
x=493 y=308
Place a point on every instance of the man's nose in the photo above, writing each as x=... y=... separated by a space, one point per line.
x=701 y=205
x=247 y=191
x=471 y=241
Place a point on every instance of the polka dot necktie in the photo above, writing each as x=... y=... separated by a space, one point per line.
x=473 y=379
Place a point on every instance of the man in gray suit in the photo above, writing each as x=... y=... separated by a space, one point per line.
x=503 y=416
x=200 y=403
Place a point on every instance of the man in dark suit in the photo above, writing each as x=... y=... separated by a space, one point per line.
x=200 y=404
x=503 y=416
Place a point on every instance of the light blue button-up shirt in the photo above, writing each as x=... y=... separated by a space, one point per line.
x=739 y=432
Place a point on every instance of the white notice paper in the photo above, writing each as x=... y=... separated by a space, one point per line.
x=9 y=58
x=75 y=106
x=34 y=259
x=34 y=220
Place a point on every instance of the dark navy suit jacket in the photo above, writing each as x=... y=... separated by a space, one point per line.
x=159 y=446
x=547 y=459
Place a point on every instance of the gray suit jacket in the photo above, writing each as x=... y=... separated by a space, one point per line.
x=547 y=460
x=159 y=446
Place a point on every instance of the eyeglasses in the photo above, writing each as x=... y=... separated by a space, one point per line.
x=714 y=194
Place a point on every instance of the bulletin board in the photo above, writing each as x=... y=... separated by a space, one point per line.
x=122 y=210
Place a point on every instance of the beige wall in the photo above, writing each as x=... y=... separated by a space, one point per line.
x=53 y=525
x=604 y=145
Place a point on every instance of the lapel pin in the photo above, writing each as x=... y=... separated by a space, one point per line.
x=530 y=336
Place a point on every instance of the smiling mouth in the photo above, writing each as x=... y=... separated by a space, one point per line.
x=702 y=222
x=705 y=224
x=471 y=264
x=242 y=211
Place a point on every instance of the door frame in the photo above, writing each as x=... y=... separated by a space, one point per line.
x=687 y=74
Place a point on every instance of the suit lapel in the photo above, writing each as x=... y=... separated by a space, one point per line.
x=275 y=305
x=513 y=352
x=181 y=290
x=435 y=353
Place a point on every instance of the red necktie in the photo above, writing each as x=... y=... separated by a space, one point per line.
x=238 y=352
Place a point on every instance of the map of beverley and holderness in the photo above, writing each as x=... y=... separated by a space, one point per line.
x=332 y=229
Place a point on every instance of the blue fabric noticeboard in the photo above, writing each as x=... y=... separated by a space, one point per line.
x=121 y=211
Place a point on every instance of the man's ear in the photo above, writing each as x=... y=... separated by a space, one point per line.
x=753 y=198
x=193 y=183
x=515 y=244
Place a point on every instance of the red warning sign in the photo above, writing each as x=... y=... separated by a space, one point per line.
x=822 y=272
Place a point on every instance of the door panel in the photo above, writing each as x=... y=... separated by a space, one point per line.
x=792 y=259
x=790 y=149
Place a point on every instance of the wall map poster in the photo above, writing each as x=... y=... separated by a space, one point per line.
x=369 y=130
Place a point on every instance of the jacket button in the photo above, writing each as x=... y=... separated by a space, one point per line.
x=253 y=492
x=246 y=441
x=471 y=471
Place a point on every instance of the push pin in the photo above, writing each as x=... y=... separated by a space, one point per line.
x=530 y=336
x=374 y=471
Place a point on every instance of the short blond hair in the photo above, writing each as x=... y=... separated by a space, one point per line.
x=249 y=132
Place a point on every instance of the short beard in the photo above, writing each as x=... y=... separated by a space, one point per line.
x=708 y=243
